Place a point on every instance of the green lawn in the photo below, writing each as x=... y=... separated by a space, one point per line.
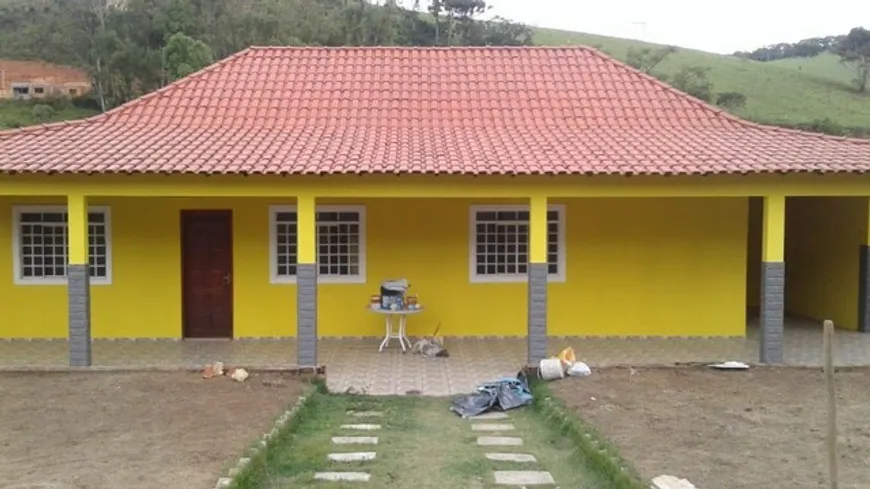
x=421 y=445
x=788 y=91
x=14 y=114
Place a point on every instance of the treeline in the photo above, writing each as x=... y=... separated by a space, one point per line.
x=132 y=47
x=805 y=48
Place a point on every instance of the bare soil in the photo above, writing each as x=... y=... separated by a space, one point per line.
x=763 y=428
x=168 y=430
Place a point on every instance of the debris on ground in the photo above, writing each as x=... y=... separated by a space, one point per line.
x=214 y=370
x=564 y=363
x=579 y=369
x=499 y=395
x=730 y=365
x=671 y=482
x=238 y=374
x=431 y=346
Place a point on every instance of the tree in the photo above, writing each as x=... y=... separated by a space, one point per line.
x=646 y=59
x=694 y=81
x=184 y=55
x=854 y=52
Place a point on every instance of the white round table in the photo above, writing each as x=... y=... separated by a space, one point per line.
x=388 y=324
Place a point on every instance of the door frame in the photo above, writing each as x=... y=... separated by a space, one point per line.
x=184 y=216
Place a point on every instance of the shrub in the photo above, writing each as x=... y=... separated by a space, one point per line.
x=730 y=100
x=42 y=112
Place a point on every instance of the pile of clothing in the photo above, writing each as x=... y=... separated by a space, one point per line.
x=499 y=395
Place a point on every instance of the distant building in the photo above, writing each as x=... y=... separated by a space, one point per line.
x=37 y=79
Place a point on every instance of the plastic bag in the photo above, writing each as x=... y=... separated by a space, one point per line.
x=502 y=395
x=579 y=369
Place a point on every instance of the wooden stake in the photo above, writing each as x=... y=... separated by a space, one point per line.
x=832 y=403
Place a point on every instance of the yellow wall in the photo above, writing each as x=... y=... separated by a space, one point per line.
x=823 y=236
x=753 y=253
x=635 y=266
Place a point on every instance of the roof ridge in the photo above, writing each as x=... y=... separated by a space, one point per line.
x=136 y=101
x=720 y=112
x=423 y=48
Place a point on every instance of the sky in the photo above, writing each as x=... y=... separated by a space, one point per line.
x=734 y=25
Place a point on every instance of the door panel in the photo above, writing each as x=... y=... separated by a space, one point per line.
x=207 y=273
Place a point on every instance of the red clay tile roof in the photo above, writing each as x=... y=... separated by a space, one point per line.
x=489 y=110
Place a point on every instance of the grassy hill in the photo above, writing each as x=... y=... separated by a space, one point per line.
x=792 y=92
x=788 y=92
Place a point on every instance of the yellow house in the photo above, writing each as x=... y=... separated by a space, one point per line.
x=523 y=191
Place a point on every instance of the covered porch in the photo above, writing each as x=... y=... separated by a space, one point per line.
x=356 y=364
x=663 y=265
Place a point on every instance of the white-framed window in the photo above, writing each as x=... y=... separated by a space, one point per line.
x=341 y=250
x=41 y=245
x=499 y=239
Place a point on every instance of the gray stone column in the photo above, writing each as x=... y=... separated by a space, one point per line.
x=864 y=289
x=772 y=311
x=306 y=315
x=537 y=339
x=79 y=289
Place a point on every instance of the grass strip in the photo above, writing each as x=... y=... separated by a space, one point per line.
x=255 y=475
x=597 y=453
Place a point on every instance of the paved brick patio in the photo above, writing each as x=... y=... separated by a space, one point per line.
x=357 y=364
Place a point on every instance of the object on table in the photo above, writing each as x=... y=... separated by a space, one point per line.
x=375 y=301
x=500 y=395
x=393 y=294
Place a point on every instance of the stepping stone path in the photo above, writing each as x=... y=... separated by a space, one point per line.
x=352 y=456
x=492 y=415
x=492 y=427
x=366 y=414
x=511 y=457
x=368 y=427
x=521 y=478
x=342 y=476
x=355 y=440
x=499 y=441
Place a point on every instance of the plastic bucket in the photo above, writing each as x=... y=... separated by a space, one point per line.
x=551 y=369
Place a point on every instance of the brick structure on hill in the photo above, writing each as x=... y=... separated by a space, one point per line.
x=38 y=79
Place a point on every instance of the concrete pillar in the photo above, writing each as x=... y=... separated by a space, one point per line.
x=537 y=287
x=772 y=305
x=78 y=282
x=306 y=282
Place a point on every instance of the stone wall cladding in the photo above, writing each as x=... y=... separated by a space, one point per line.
x=306 y=315
x=772 y=311
x=78 y=287
x=864 y=289
x=537 y=336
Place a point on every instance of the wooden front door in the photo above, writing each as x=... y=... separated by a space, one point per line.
x=207 y=273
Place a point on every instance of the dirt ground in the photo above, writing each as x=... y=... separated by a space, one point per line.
x=763 y=428
x=168 y=430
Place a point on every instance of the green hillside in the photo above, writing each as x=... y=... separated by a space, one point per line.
x=812 y=93
x=789 y=92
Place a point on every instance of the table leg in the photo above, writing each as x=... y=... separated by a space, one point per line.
x=389 y=328
x=402 y=338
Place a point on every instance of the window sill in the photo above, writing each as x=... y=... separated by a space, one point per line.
x=58 y=282
x=511 y=279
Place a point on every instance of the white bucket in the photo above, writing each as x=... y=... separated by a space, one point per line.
x=551 y=369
